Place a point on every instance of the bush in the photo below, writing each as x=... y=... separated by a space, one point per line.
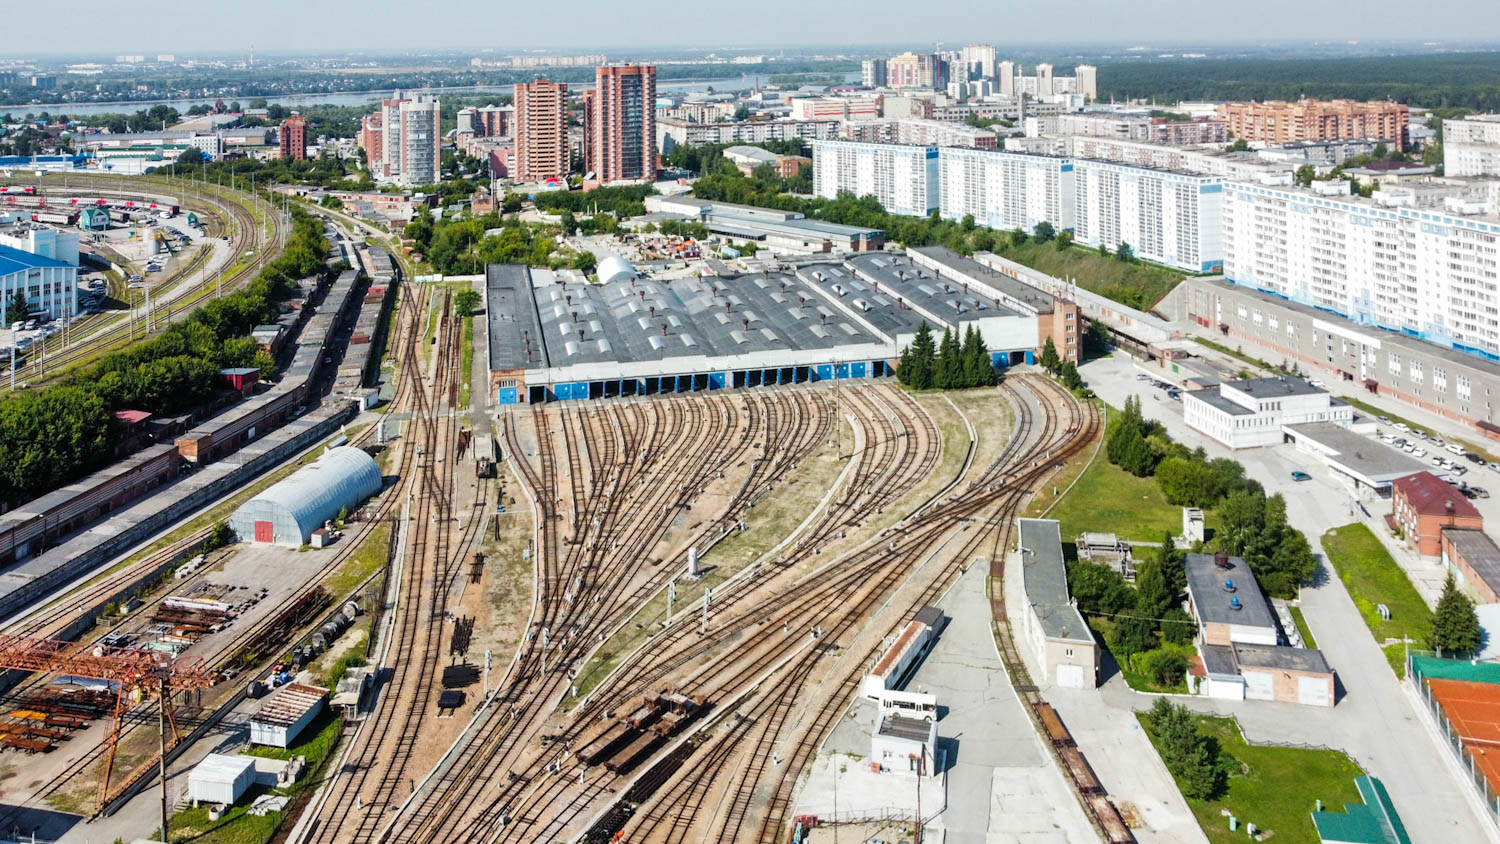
x=1177 y=627
x=1164 y=667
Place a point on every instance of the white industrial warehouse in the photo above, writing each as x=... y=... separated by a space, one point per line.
x=289 y=511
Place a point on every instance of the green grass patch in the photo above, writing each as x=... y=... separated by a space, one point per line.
x=1102 y=628
x=1271 y=787
x=1108 y=499
x=317 y=742
x=466 y=361
x=372 y=554
x=1396 y=656
x=1373 y=578
x=1235 y=353
x=1137 y=284
x=1307 y=637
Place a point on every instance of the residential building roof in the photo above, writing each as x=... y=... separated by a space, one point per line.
x=1214 y=589
x=1430 y=496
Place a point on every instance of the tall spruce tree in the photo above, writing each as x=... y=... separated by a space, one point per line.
x=923 y=359
x=1455 y=627
x=949 y=363
x=1050 y=360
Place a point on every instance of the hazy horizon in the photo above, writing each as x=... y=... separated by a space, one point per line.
x=279 y=26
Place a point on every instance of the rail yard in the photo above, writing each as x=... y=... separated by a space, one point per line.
x=643 y=688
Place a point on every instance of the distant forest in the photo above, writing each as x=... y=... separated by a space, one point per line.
x=1463 y=80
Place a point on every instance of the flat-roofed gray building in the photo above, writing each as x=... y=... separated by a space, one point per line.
x=1052 y=624
x=1460 y=385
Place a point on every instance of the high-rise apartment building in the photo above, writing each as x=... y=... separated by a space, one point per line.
x=872 y=73
x=403 y=140
x=421 y=141
x=1044 y=80
x=1165 y=217
x=494 y=121
x=1006 y=71
x=620 y=124
x=1417 y=260
x=541 y=130
x=980 y=60
x=1280 y=122
x=1471 y=146
x=1088 y=81
x=293 y=138
x=914 y=70
x=371 y=140
x=904 y=179
x=1006 y=190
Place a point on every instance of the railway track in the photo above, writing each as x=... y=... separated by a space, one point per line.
x=612 y=546
x=62 y=612
x=494 y=812
x=117 y=331
x=736 y=821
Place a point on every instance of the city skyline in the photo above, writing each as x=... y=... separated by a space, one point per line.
x=340 y=24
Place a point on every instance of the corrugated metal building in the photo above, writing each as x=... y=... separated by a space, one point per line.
x=288 y=512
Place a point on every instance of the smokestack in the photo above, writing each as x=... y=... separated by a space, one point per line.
x=1221 y=559
x=664 y=329
x=653 y=310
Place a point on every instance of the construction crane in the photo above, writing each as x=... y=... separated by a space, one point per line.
x=136 y=675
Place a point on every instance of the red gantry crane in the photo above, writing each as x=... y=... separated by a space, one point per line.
x=136 y=676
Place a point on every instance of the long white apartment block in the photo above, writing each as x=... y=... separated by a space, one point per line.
x=1426 y=265
x=1205 y=161
x=1471 y=146
x=1165 y=217
x=904 y=179
x=1006 y=190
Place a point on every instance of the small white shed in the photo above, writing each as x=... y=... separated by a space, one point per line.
x=220 y=779
x=285 y=713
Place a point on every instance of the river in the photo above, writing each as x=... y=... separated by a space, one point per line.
x=744 y=82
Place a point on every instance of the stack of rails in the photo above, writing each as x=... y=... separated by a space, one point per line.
x=28 y=529
x=623 y=744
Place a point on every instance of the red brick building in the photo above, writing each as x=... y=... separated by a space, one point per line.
x=1422 y=505
x=1280 y=122
x=294 y=138
x=620 y=126
x=541 y=126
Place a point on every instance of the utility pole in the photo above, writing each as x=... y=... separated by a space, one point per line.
x=162 y=731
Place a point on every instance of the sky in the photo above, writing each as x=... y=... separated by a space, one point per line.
x=509 y=25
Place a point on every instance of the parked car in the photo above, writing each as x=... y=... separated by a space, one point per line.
x=1383 y=419
x=1301 y=476
x=1473 y=458
x=1456 y=469
x=1420 y=452
x=1453 y=447
x=1402 y=426
x=1495 y=466
x=1480 y=491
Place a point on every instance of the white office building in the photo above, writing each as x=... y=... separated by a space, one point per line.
x=1471 y=146
x=1165 y=217
x=1006 y=190
x=1250 y=412
x=904 y=179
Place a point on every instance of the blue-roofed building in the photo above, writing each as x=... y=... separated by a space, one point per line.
x=50 y=286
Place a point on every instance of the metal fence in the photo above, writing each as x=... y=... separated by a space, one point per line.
x=1454 y=741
